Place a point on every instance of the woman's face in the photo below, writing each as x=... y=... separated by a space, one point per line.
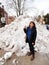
x=31 y=25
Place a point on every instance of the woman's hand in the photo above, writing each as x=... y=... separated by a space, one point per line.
x=33 y=43
x=25 y=27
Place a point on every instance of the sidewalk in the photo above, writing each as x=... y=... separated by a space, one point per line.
x=39 y=59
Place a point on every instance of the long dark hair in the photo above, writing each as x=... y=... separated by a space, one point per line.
x=32 y=23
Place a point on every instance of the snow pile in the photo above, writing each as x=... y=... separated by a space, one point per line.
x=12 y=37
x=42 y=38
x=5 y=57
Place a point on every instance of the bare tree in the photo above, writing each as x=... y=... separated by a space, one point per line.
x=17 y=5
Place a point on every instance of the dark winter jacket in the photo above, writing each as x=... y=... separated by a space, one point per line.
x=32 y=36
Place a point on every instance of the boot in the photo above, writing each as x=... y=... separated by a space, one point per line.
x=30 y=53
x=32 y=57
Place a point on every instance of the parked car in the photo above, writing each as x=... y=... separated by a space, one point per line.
x=47 y=26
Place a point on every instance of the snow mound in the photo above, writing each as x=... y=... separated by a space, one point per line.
x=12 y=37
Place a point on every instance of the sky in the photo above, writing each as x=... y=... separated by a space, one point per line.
x=42 y=5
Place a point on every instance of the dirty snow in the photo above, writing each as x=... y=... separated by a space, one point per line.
x=12 y=37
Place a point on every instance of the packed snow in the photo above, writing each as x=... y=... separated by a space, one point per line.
x=12 y=37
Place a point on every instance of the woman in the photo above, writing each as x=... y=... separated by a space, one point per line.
x=31 y=34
